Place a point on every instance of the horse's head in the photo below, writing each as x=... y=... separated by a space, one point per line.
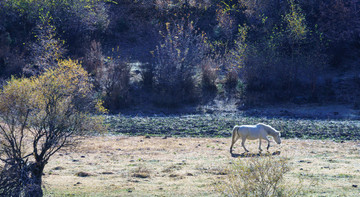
x=277 y=137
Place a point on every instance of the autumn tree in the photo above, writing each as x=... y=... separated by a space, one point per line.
x=39 y=116
x=48 y=48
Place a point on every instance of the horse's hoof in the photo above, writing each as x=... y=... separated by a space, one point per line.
x=276 y=153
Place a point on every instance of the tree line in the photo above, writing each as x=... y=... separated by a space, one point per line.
x=278 y=50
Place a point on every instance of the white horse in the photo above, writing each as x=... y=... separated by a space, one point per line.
x=253 y=132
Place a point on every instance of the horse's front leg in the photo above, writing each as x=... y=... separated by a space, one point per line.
x=260 y=144
x=268 y=146
x=243 y=143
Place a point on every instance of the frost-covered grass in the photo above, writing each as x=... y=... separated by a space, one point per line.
x=221 y=126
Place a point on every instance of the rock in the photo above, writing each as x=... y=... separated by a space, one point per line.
x=82 y=174
x=58 y=168
x=141 y=175
x=107 y=173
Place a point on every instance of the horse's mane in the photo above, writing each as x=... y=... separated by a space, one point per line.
x=269 y=129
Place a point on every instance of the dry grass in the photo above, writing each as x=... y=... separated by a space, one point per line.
x=139 y=166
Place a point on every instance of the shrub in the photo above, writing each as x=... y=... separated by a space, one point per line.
x=257 y=176
x=116 y=83
x=283 y=61
x=111 y=76
x=209 y=75
x=231 y=79
x=177 y=61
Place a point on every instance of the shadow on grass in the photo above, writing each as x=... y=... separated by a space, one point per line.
x=246 y=154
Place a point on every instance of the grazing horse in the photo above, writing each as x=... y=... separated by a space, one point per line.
x=253 y=132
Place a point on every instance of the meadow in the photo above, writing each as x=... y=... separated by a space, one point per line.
x=189 y=156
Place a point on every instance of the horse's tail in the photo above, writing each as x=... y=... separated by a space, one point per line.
x=234 y=135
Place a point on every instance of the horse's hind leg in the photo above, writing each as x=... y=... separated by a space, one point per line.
x=243 y=143
x=234 y=139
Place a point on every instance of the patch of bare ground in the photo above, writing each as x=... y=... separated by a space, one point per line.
x=158 y=166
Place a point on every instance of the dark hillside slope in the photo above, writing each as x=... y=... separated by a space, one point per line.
x=170 y=53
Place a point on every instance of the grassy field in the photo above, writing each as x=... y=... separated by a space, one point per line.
x=221 y=125
x=189 y=166
x=189 y=155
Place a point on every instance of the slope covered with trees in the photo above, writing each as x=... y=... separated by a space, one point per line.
x=191 y=51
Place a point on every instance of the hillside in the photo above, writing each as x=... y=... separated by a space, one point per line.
x=191 y=52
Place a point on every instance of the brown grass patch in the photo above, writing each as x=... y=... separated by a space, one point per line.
x=189 y=166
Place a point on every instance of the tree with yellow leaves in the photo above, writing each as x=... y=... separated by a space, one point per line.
x=38 y=117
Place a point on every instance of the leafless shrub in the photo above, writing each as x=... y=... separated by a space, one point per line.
x=111 y=76
x=177 y=61
x=231 y=79
x=209 y=75
x=141 y=172
x=94 y=59
x=258 y=176
x=116 y=84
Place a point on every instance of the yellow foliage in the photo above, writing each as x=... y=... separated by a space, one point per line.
x=100 y=107
x=295 y=20
x=17 y=93
x=52 y=92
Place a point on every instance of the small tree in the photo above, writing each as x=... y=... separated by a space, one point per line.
x=39 y=116
x=110 y=76
x=177 y=60
x=47 y=49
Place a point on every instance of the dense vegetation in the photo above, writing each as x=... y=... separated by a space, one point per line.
x=191 y=51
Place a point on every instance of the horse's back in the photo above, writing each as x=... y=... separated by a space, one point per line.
x=249 y=131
